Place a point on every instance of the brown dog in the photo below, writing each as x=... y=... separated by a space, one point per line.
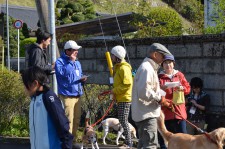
x=213 y=140
x=89 y=136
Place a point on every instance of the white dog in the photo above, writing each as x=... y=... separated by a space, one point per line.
x=114 y=123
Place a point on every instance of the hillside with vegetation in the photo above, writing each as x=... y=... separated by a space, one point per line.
x=190 y=11
x=27 y=3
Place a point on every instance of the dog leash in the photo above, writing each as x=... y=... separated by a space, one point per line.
x=193 y=125
x=197 y=128
x=101 y=97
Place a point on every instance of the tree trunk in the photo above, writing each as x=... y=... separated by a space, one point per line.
x=42 y=9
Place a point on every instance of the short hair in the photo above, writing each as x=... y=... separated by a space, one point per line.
x=34 y=73
x=42 y=35
x=196 y=82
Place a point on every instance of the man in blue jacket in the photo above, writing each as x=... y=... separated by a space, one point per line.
x=69 y=78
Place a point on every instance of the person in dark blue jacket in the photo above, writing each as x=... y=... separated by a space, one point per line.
x=49 y=126
x=69 y=79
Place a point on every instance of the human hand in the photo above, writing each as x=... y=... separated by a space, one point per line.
x=165 y=103
x=53 y=65
x=164 y=87
x=73 y=57
x=112 y=95
x=83 y=78
x=194 y=102
x=179 y=88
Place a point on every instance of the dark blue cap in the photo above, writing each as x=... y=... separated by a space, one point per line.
x=169 y=57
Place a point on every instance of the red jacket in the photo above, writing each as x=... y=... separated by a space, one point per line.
x=181 y=109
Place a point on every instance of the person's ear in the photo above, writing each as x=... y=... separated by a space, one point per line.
x=153 y=55
x=35 y=83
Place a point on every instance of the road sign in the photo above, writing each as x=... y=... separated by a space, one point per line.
x=18 y=24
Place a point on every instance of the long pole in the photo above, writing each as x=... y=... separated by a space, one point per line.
x=18 y=37
x=53 y=43
x=3 y=57
x=7 y=19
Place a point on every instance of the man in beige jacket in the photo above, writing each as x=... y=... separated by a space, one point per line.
x=146 y=98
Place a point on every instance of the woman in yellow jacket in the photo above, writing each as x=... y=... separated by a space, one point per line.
x=122 y=88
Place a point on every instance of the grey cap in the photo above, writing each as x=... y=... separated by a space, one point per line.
x=158 y=48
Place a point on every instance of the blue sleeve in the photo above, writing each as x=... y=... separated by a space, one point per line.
x=54 y=107
x=66 y=70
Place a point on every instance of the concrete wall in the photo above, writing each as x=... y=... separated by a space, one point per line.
x=201 y=56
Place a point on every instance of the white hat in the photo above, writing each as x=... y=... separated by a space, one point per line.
x=119 y=52
x=71 y=45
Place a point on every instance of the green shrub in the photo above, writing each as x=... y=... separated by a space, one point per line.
x=90 y=101
x=159 y=21
x=192 y=10
x=13 y=104
x=218 y=18
x=24 y=43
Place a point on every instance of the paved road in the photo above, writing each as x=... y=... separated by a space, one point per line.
x=27 y=146
x=14 y=146
x=23 y=143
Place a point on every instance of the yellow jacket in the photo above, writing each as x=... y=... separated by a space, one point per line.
x=123 y=82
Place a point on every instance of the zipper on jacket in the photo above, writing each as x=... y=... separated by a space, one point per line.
x=34 y=123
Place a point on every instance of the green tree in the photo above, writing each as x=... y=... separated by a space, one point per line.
x=25 y=31
x=218 y=9
x=119 y=6
x=24 y=45
x=69 y=11
x=190 y=9
x=157 y=21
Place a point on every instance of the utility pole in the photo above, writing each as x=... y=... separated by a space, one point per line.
x=7 y=26
x=53 y=43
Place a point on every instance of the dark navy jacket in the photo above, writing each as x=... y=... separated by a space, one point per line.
x=49 y=127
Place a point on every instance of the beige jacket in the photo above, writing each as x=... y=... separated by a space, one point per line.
x=146 y=92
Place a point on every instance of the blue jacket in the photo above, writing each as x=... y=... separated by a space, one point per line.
x=68 y=74
x=49 y=127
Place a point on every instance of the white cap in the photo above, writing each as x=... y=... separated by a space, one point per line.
x=71 y=45
x=119 y=52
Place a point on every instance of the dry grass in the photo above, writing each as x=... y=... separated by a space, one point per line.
x=28 y=3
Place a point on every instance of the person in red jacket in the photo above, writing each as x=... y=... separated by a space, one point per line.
x=173 y=122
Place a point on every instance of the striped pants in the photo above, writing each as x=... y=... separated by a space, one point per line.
x=123 y=112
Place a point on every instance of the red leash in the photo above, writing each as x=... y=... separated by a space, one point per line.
x=101 y=97
x=198 y=129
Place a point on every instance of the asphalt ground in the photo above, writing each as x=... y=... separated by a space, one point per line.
x=23 y=143
x=27 y=146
